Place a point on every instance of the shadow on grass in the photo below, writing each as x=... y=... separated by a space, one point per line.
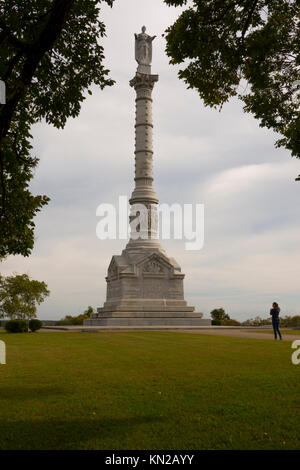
x=74 y=434
x=30 y=393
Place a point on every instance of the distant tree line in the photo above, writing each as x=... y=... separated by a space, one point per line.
x=221 y=318
x=77 y=319
x=286 y=321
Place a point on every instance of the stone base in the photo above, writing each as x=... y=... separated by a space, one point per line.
x=148 y=319
x=145 y=288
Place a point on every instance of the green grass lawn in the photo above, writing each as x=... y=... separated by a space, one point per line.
x=147 y=390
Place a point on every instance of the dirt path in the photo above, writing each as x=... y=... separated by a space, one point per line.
x=241 y=334
x=215 y=331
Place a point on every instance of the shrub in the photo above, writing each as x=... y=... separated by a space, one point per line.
x=63 y=323
x=216 y=322
x=35 y=324
x=76 y=320
x=230 y=322
x=16 y=326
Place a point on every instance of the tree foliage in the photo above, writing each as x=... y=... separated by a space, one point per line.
x=77 y=319
x=19 y=296
x=228 y=45
x=219 y=314
x=89 y=311
x=50 y=54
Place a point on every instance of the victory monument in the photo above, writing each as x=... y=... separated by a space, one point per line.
x=144 y=285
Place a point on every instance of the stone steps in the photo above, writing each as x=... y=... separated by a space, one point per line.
x=148 y=321
x=145 y=314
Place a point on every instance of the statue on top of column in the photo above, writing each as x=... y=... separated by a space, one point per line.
x=143 y=50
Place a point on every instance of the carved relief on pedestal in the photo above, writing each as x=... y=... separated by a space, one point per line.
x=152 y=267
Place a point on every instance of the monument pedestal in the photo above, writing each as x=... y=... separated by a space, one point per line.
x=145 y=288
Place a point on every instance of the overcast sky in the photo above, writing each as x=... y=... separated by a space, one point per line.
x=251 y=253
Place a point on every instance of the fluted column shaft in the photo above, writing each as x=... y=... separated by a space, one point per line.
x=143 y=192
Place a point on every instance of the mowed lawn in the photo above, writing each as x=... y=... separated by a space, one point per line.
x=147 y=390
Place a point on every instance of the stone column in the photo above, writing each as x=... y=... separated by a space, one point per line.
x=143 y=192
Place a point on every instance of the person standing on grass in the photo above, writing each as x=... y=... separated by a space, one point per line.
x=274 y=312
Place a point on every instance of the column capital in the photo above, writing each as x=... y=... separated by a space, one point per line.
x=143 y=80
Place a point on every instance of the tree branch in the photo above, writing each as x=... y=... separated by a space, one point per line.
x=3 y=187
x=12 y=64
x=14 y=41
x=247 y=23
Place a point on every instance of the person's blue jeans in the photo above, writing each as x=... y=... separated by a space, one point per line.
x=275 y=324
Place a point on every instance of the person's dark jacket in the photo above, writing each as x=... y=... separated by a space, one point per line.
x=274 y=312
